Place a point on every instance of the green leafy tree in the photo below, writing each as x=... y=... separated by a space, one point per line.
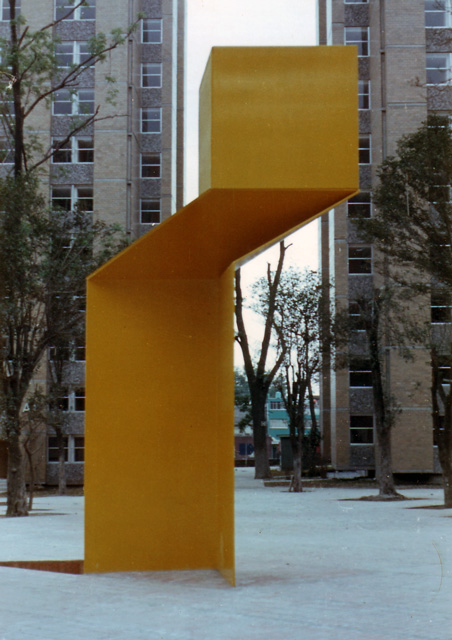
x=31 y=74
x=45 y=257
x=380 y=317
x=412 y=227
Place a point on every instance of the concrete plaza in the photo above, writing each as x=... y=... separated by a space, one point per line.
x=318 y=565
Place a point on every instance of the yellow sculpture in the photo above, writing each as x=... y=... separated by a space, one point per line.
x=278 y=147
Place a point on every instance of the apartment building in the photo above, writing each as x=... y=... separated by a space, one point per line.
x=127 y=167
x=404 y=49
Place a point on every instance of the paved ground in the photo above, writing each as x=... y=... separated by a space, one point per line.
x=314 y=566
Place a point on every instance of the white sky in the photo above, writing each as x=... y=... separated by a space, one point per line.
x=246 y=23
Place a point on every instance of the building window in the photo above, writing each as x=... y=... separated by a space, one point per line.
x=151 y=120
x=364 y=149
x=150 y=165
x=437 y=68
x=358 y=36
x=6 y=152
x=360 y=374
x=356 y=1
x=72 y=103
x=275 y=404
x=72 y=400
x=151 y=75
x=441 y=305
x=356 y=319
x=439 y=194
x=74 y=449
x=437 y=13
x=360 y=206
x=361 y=430
x=79 y=349
x=444 y=367
x=79 y=399
x=77 y=150
x=68 y=197
x=151 y=31
x=363 y=94
x=360 y=260
x=87 y=11
x=72 y=53
x=6 y=12
x=150 y=211
x=74 y=352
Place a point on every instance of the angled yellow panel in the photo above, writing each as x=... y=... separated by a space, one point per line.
x=278 y=146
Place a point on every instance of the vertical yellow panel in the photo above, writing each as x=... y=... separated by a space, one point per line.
x=152 y=439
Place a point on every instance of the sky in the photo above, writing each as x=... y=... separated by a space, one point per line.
x=245 y=23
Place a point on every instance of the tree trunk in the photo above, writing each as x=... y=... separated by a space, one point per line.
x=383 y=422
x=61 y=477
x=17 y=501
x=261 y=462
x=297 y=453
x=385 y=476
x=447 y=483
x=442 y=430
x=32 y=483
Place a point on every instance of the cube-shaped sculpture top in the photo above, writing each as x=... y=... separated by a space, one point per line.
x=278 y=118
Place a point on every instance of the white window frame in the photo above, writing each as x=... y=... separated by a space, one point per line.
x=151 y=75
x=445 y=371
x=365 y=147
x=353 y=259
x=363 y=92
x=76 y=348
x=442 y=68
x=157 y=165
x=152 y=222
x=367 y=429
x=72 y=98
x=362 y=199
x=156 y=111
x=435 y=10
x=443 y=191
x=74 y=194
x=365 y=370
x=442 y=298
x=77 y=53
x=146 y=28
x=74 y=149
x=363 y=44
x=354 y=316
x=5 y=11
x=70 y=448
x=78 y=13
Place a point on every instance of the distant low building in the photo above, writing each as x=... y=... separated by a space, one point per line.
x=278 y=419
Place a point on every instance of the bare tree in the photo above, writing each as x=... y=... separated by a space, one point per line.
x=258 y=376
x=46 y=256
x=299 y=307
